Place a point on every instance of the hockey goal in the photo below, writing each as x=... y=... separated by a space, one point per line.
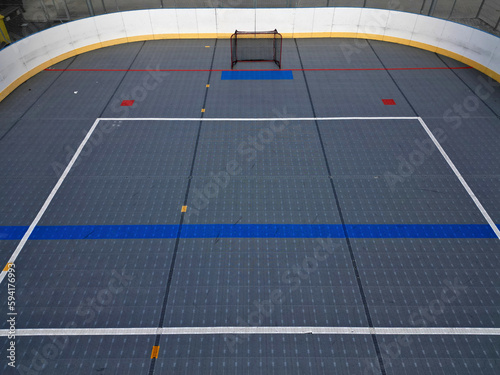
x=256 y=46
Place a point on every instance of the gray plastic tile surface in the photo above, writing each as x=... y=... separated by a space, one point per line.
x=283 y=172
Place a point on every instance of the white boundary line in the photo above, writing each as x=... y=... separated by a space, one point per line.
x=461 y=179
x=253 y=331
x=23 y=241
x=21 y=244
x=258 y=119
x=424 y=125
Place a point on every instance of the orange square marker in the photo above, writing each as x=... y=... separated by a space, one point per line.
x=154 y=352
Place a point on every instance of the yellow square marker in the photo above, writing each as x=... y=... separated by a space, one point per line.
x=184 y=208
x=154 y=352
x=208 y=85
x=203 y=110
x=7 y=267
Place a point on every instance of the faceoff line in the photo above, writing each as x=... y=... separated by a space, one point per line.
x=253 y=331
x=26 y=236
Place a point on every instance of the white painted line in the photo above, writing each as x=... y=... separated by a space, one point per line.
x=461 y=179
x=21 y=244
x=257 y=119
x=254 y=331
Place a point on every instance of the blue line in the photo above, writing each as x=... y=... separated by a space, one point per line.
x=96 y=232
x=420 y=231
x=256 y=75
x=12 y=233
x=261 y=231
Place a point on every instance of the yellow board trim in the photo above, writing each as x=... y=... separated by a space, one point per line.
x=166 y=36
x=302 y=35
x=114 y=42
x=194 y=36
x=209 y=36
x=344 y=35
x=393 y=39
x=321 y=35
x=140 y=38
x=11 y=87
x=369 y=36
x=425 y=46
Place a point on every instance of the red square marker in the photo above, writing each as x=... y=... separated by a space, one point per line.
x=127 y=103
x=388 y=102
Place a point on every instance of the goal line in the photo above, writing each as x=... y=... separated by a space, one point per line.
x=253 y=119
x=254 y=331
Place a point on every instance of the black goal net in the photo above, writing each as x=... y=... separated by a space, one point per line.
x=256 y=46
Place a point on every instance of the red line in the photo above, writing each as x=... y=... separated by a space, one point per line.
x=226 y=70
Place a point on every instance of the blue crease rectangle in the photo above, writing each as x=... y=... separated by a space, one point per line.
x=257 y=75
